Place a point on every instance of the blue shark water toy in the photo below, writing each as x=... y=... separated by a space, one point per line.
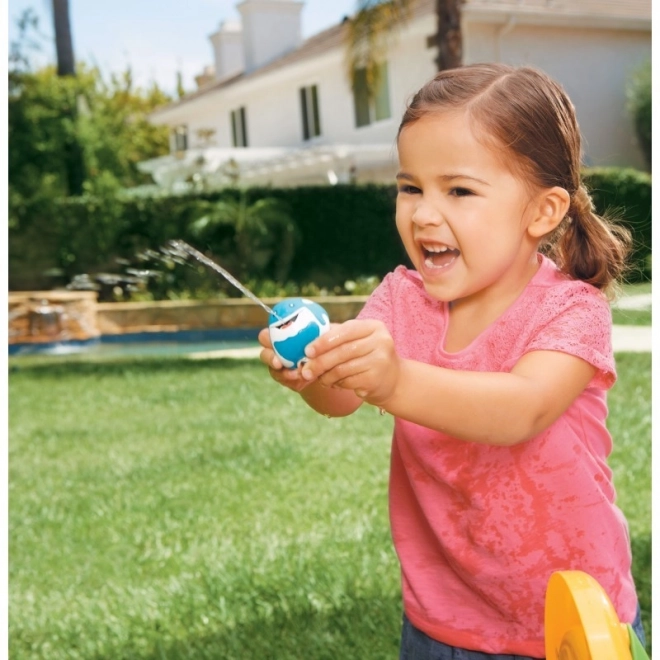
x=294 y=323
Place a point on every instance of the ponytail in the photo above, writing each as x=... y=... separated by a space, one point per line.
x=589 y=247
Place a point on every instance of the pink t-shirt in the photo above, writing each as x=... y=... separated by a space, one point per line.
x=478 y=528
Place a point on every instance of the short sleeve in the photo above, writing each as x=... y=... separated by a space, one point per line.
x=379 y=303
x=579 y=322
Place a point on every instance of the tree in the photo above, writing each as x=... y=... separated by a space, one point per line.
x=264 y=232
x=449 y=37
x=640 y=106
x=375 y=21
x=66 y=66
x=112 y=130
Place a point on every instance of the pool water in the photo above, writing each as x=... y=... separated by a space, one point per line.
x=144 y=344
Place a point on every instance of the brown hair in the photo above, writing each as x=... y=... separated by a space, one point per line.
x=529 y=114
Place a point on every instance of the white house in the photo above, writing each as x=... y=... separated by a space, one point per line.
x=274 y=109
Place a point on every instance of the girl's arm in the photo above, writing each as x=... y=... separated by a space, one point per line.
x=491 y=408
x=332 y=401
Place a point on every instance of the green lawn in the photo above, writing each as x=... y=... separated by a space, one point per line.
x=631 y=316
x=632 y=289
x=180 y=509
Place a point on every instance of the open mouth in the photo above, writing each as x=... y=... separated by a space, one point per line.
x=439 y=256
x=287 y=323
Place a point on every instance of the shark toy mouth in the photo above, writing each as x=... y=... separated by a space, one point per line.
x=286 y=323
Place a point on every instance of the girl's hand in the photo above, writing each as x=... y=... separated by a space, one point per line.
x=356 y=355
x=290 y=378
x=331 y=402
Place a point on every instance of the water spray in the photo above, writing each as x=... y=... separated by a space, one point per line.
x=293 y=323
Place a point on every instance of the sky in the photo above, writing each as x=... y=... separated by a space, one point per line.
x=156 y=38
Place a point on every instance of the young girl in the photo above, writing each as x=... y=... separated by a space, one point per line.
x=494 y=360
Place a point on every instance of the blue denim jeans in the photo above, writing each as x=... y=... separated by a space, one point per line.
x=415 y=645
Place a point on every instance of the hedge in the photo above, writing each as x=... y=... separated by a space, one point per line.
x=625 y=195
x=347 y=231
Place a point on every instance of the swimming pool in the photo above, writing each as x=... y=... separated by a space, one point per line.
x=139 y=344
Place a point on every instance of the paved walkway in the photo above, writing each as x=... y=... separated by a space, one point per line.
x=239 y=353
x=638 y=301
x=625 y=338
x=632 y=338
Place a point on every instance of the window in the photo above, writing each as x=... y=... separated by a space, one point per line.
x=239 y=127
x=309 y=105
x=179 y=141
x=369 y=110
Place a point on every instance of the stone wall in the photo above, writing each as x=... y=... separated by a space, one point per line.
x=166 y=316
x=49 y=316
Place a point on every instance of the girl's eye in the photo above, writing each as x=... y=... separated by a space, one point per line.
x=460 y=192
x=408 y=190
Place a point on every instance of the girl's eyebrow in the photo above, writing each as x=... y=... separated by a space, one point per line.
x=451 y=177
x=443 y=177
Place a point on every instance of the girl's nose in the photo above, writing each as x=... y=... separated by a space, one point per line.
x=426 y=214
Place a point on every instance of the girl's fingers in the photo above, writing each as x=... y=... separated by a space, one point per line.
x=339 y=334
x=358 y=381
x=288 y=378
x=337 y=362
x=270 y=359
x=264 y=338
x=367 y=365
x=268 y=355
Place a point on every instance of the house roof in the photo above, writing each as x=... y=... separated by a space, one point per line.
x=622 y=13
x=320 y=43
x=638 y=11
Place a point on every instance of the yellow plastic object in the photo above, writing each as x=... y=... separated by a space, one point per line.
x=580 y=621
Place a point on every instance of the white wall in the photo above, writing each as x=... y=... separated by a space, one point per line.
x=593 y=66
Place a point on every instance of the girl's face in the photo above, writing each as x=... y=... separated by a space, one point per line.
x=461 y=213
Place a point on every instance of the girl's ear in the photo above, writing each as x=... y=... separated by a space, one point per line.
x=552 y=207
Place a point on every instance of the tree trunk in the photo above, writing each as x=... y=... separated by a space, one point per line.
x=449 y=38
x=66 y=66
x=74 y=162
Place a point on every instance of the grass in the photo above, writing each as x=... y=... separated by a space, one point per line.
x=180 y=509
x=630 y=426
x=631 y=316
x=637 y=288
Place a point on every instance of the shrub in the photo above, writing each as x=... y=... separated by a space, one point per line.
x=347 y=233
x=640 y=108
x=625 y=194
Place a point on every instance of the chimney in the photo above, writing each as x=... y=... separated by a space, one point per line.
x=205 y=77
x=271 y=28
x=228 y=49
